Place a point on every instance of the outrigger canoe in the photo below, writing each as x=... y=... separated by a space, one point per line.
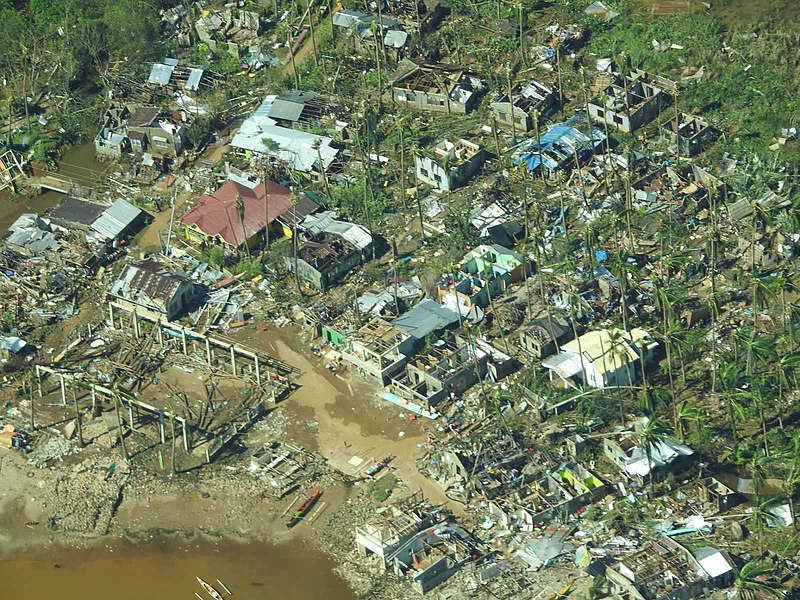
x=208 y=588
x=301 y=512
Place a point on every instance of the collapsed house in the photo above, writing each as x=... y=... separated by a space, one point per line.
x=378 y=350
x=484 y=274
x=690 y=133
x=449 y=165
x=260 y=135
x=667 y=455
x=562 y=148
x=438 y=88
x=237 y=215
x=372 y=33
x=529 y=102
x=283 y=467
x=665 y=569
x=602 y=358
x=632 y=101
x=149 y=287
x=417 y=542
x=31 y=236
x=331 y=249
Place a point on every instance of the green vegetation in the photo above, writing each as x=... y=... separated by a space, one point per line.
x=381 y=489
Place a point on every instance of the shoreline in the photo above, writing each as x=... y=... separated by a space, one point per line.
x=222 y=502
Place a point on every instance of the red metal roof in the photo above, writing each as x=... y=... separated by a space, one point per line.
x=215 y=213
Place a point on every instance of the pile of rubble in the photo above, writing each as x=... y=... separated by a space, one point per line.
x=54 y=447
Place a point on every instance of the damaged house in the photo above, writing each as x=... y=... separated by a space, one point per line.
x=691 y=133
x=146 y=130
x=449 y=165
x=448 y=368
x=261 y=135
x=631 y=101
x=378 y=350
x=438 y=88
x=484 y=273
x=332 y=248
x=602 y=358
x=665 y=569
x=215 y=219
x=560 y=148
x=528 y=102
x=149 y=287
x=667 y=455
x=544 y=336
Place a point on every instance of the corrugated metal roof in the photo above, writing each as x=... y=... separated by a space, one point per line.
x=425 y=318
x=293 y=147
x=193 y=83
x=286 y=110
x=116 y=219
x=160 y=74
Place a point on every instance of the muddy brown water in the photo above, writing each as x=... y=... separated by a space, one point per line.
x=78 y=163
x=166 y=571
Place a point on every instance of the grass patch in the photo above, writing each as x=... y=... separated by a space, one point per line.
x=381 y=489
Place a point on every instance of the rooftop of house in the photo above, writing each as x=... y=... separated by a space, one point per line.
x=610 y=348
x=261 y=134
x=425 y=318
x=217 y=214
x=147 y=281
x=144 y=116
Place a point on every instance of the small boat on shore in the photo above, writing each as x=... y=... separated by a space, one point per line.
x=209 y=589
x=301 y=512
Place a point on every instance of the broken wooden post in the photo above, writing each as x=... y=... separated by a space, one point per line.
x=258 y=371
x=233 y=360
x=63 y=390
x=172 y=432
x=111 y=314
x=183 y=340
x=130 y=415
x=208 y=351
x=135 y=319
x=185 y=435
x=39 y=381
x=161 y=427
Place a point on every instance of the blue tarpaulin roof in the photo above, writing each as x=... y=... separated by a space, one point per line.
x=559 y=145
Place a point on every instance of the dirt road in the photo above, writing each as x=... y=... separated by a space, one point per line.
x=350 y=420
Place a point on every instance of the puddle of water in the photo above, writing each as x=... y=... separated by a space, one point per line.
x=167 y=570
x=78 y=163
